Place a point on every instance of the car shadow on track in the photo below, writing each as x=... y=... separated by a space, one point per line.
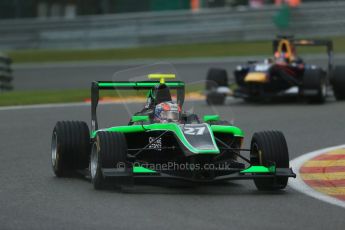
x=181 y=188
x=224 y=188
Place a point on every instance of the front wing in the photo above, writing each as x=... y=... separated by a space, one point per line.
x=252 y=172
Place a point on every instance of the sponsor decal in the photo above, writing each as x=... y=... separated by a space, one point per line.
x=157 y=145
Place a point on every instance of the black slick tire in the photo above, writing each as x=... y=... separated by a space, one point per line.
x=270 y=147
x=70 y=147
x=315 y=79
x=338 y=83
x=109 y=151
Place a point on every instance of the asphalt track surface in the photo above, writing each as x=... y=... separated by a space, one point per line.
x=80 y=75
x=33 y=198
x=76 y=76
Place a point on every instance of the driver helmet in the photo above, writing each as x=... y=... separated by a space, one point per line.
x=282 y=57
x=167 y=112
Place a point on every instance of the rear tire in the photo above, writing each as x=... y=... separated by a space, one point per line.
x=216 y=78
x=70 y=148
x=315 y=79
x=108 y=151
x=266 y=147
x=338 y=83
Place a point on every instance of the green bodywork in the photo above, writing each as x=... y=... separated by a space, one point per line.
x=138 y=84
x=208 y=118
x=237 y=132
x=259 y=169
x=176 y=129
x=251 y=169
x=140 y=118
x=140 y=169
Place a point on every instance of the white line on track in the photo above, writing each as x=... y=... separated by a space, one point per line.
x=302 y=187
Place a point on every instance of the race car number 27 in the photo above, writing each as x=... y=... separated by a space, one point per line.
x=194 y=131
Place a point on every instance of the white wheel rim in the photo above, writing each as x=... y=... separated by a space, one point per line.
x=94 y=161
x=54 y=149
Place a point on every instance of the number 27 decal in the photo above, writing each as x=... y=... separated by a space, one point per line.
x=194 y=131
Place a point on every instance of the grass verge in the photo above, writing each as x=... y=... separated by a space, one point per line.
x=220 y=49
x=42 y=97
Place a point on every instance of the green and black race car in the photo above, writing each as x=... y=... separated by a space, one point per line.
x=178 y=145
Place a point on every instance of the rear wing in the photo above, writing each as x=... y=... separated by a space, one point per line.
x=128 y=85
x=327 y=43
x=309 y=42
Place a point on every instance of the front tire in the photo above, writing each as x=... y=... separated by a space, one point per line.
x=270 y=147
x=70 y=148
x=315 y=79
x=108 y=151
x=338 y=83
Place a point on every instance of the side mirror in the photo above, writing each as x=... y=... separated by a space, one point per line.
x=140 y=118
x=208 y=118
